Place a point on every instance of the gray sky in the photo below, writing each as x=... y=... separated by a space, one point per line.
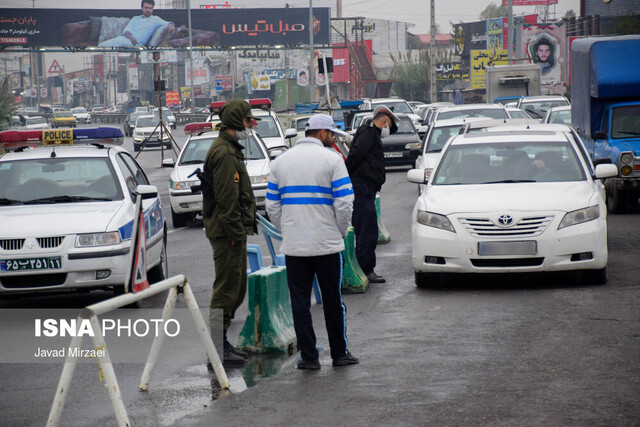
x=413 y=11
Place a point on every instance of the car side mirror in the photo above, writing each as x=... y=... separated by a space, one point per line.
x=606 y=171
x=417 y=176
x=290 y=133
x=168 y=163
x=276 y=151
x=600 y=134
x=147 y=191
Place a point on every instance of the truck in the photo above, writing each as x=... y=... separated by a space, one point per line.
x=507 y=83
x=605 y=110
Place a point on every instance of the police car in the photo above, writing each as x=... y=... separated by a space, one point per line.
x=185 y=204
x=68 y=203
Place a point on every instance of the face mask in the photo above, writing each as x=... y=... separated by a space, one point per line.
x=242 y=134
x=385 y=132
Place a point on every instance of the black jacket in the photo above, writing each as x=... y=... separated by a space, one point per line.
x=365 y=162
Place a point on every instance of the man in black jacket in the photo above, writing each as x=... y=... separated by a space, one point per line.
x=365 y=164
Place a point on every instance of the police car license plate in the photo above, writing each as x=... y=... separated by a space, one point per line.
x=393 y=154
x=43 y=263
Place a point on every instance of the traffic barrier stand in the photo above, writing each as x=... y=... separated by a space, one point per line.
x=354 y=281
x=175 y=285
x=383 y=234
x=269 y=324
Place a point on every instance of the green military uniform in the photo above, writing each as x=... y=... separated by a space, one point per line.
x=232 y=218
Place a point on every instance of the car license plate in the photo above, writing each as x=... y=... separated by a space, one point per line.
x=393 y=154
x=43 y=263
x=526 y=247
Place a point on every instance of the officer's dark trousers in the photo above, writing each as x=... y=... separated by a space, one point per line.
x=230 y=284
x=365 y=224
x=328 y=270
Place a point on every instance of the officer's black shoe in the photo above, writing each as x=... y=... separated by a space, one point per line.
x=313 y=365
x=374 y=278
x=231 y=359
x=347 y=359
x=232 y=349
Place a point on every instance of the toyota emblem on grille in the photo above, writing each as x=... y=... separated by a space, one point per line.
x=505 y=219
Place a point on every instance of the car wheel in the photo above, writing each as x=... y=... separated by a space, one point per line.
x=179 y=220
x=425 y=280
x=161 y=271
x=617 y=200
x=595 y=277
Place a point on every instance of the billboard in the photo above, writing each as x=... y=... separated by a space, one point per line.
x=480 y=59
x=529 y=2
x=545 y=44
x=106 y=28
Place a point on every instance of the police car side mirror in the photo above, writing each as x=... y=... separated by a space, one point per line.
x=147 y=191
x=290 y=133
x=168 y=163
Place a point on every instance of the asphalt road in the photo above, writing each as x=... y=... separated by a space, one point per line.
x=533 y=350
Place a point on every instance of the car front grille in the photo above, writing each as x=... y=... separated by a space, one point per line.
x=507 y=262
x=50 y=242
x=485 y=227
x=11 y=244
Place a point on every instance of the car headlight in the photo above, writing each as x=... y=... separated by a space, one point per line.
x=579 y=216
x=413 y=145
x=626 y=158
x=182 y=185
x=431 y=219
x=97 y=239
x=260 y=179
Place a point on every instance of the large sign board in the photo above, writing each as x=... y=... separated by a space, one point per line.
x=529 y=2
x=546 y=44
x=219 y=27
x=480 y=59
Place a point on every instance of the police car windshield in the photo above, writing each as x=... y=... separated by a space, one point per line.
x=59 y=180
x=196 y=150
x=267 y=127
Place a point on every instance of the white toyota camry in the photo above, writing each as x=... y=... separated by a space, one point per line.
x=508 y=202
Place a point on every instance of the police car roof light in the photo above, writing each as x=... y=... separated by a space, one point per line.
x=198 y=128
x=263 y=103
x=100 y=135
x=216 y=106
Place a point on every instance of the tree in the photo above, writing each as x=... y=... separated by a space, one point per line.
x=628 y=24
x=570 y=14
x=412 y=76
x=494 y=11
x=6 y=105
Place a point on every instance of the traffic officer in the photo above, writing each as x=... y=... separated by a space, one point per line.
x=365 y=164
x=228 y=220
x=309 y=199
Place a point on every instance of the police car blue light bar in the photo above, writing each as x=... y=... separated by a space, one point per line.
x=99 y=135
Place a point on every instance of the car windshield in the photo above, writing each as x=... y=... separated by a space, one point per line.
x=267 y=127
x=196 y=150
x=491 y=113
x=537 y=109
x=146 y=122
x=79 y=110
x=508 y=163
x=357 y=121
x=439 y=136
x=519 y=114
x=62 y=114
x=396 y=106
x=562 y=117
x=301 y=123
x=405 y=127
x=166 y=114
x=58 y=180
x=625 y=122
x=35 y=120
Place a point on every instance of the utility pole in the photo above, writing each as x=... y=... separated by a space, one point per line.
x=312 y=76
x=432 y=54
x=511 y=33
x=193 y=106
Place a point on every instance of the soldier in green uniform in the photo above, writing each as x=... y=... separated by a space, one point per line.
x=228 y=220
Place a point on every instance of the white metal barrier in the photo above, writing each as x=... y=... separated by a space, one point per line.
x=175 y=285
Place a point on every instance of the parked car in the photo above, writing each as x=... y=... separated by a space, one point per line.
x=148 y=132
x=81 y=114
x=185 y=204
x=67 y=219
x=558 y=115
x=63 y=119
x=36 y=122
x=511 y=202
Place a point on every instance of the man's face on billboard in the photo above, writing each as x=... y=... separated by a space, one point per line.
x=543 y=52
x=147 y=9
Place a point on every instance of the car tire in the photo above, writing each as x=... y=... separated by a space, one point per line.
x=425 y=280
x=161 y=271
x=179 y=220
x=617 y=200
x=595 y=277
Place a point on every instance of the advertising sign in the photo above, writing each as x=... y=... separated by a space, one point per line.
x=529 y=2
x=480 y=59
x=164 y=57
x=450 y=71
x=172 y=98
x=545 y=44
x=105 y=27
x=227 y=82
x=133 y=77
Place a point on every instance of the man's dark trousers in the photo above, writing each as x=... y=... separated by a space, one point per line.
x=365 y=224
x=328 y=270
x=230 y=284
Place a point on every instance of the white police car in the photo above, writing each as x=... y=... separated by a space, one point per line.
x=68 y=212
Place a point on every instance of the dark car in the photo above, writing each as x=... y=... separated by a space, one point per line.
x=130 y=121
x=397 y=147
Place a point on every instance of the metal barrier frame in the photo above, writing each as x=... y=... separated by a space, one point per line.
x=175 y=285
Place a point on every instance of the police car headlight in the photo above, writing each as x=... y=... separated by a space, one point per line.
x=260 y=179
x=431 y=219
x=97 y=239
x=579 y=216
